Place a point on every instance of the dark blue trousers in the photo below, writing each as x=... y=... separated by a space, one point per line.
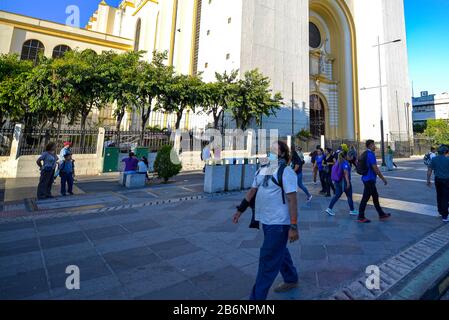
x=66 y=179
x=274 y=258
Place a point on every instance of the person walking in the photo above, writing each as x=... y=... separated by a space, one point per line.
x=297 y=165
x=429 y=156
x=277 y=211
x=329 y=162
x=206 y=155
x=319 y=167
x=367 y=167
x=67 y=174
x=142 y=166
x=47 y=165
x=352 y=154
x=341 y=176
x=313 y=156
x=440 y=167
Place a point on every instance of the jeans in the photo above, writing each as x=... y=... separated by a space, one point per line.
x=45 y=183
x=329 y=183
x=302 y=186
x=442 y=188
x=323 y=181
x=274 y=258
x=66 y=179
x=369 y=191
x=340 y=188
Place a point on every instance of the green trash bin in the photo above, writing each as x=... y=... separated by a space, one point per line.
x=111 y=156
x=142 y=152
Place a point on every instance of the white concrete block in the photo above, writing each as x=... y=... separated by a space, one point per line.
x=135 y=181
x=234 y=177
x=249 y=171
x=215 y=179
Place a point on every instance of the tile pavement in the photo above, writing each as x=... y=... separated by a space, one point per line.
x=192 y=251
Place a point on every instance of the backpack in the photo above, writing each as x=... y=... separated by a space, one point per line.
x=279 y=181
x=427 y=160
x=337 y=172
x=362 y=165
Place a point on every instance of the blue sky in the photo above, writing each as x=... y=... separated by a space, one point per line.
x=427 y=33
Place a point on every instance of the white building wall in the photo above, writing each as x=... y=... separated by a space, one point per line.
x=275 y=40
x=383 y=18
x=218 y=38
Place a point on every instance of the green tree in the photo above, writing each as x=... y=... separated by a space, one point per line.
x=121 y=72
x=13 y=100
x=150 y=83
x=438 y=130
x=164 y=166
x=181 y=93
x=251 y=98
x=216 y=95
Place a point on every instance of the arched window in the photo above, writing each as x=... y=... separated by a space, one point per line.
x=31 y=50
x=59 y=51
x=137 y=36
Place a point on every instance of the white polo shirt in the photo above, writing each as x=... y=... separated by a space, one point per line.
x=270 y=209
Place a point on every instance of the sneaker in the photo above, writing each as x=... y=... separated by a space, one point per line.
x=309 y=198
x=364 y=220
x=328 y=195
x=330 y=212
x=354 y=213
x=71 y=193
x=385 y=217
x=286 y=287
x=446 y=219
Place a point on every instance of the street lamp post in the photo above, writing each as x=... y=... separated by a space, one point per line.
x=380 y=87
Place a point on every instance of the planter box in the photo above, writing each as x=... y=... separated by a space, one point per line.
x=215 y=179
x=234 y=177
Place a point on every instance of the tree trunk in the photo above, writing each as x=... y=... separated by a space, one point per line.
x=217 y=115
x=59 y=125
x=178 y=119
x=118 y=124
x=145 y=116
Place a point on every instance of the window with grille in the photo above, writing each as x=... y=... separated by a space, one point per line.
x=31 y=50
x=59 y=51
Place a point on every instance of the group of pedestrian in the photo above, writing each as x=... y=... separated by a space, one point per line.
x=273 y=198
x=51 y=166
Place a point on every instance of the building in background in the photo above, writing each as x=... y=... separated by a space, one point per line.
x=430 y=106
x=324 y=47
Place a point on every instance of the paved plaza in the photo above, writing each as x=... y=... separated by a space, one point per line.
x=190 y=249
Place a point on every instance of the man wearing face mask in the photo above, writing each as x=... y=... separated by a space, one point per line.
x=276 y=209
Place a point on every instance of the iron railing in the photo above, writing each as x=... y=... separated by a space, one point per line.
x=6 y=138
x=129 y=140
x=34 y=141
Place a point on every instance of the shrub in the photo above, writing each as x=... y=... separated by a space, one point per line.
x=304 y=135
x=164 y=166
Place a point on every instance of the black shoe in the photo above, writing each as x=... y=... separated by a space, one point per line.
x=71 y=193
x=328 y=195
x=63 y=195
x=385 y=217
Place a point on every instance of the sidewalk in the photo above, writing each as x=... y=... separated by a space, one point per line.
x=189 y=249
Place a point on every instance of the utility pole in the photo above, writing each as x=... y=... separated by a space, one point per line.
x=293 y=110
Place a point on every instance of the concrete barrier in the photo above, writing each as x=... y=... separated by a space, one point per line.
x=215 y=179
x=249 y=172
x=135 y=181
x=234 y=177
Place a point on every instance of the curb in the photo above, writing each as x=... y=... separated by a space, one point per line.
x=36 y=215
x=396 y=271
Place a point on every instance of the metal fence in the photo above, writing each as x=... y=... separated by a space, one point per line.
x=6 y=138
x=129 y=140
x=34 y=141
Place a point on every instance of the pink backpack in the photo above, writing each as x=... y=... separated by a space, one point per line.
x=337 y=172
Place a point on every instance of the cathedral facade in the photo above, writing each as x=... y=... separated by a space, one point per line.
x=342 y=62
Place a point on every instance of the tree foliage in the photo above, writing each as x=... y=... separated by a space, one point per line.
x=438 y=130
